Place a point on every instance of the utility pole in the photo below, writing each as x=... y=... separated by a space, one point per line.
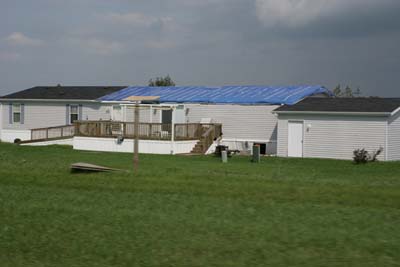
x=137 y=100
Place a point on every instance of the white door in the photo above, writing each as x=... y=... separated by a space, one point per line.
x=117 y=113
x=179 y=114
x=295 y=142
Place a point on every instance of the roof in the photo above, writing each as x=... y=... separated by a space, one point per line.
x=64 y=92
x=222 y=95
x=343 y=105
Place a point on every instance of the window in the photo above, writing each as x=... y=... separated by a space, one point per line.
x=16 y=111
x=74 y=113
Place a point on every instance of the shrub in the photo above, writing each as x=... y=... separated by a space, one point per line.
x=362 y=156
x=375 y=154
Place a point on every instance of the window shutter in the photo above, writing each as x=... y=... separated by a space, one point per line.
x=67 y=115
x=10 y=113
x=80 y=112
x=22 y=113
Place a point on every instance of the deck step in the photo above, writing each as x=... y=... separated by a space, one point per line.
x=199 y=148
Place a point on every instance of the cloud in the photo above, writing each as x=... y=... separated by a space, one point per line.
x=160 y=44
x=98 y=46
x=19 y=39
x=137 y=19
x=9 y=56
x=300 y=13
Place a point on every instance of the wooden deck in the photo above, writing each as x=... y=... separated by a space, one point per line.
x=148 y=131
x=204 y=133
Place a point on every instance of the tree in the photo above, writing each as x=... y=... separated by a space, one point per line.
x=357 y=93
x=347 y=92
x=337 y=91
x=162 y=81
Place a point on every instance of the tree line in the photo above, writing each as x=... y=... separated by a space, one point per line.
x=346 y=92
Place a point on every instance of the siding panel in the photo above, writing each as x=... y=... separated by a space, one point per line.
x=144 y=115
x=40 y=115
x=95 y=112
x=282 y=145
x=238 y=121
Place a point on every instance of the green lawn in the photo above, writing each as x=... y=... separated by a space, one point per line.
x=195 y=211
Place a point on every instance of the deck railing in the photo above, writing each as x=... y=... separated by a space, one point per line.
x=52 y=132
x=149 y=131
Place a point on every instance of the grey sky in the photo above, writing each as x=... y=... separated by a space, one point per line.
x=201 y=42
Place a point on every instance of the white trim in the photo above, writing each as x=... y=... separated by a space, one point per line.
x=387 y=141
x=13 y=111
x=172 y=130
x=124 y=116
x=395 y=111
x=379 y=114
x=70 y=113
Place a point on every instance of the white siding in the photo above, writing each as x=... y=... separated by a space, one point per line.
x=253 y=123
x=95 y=112
x=394 y=138
x=42 y=114
x=282 y=146
x=145 y=146
x=335 y=136
x=1 y=118
x=9 y=136
x=144 y=115
x=239 y=121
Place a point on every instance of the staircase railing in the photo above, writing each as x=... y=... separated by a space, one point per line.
x=213 y=132
x=56 y=132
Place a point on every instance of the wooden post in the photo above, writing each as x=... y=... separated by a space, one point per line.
x=136 y=142
x=151 y=130
x=173 y=131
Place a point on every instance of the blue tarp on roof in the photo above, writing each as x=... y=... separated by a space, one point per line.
x=221 y=95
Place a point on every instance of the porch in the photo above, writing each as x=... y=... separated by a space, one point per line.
x=155 y=138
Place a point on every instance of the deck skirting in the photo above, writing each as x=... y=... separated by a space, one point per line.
x=145 y=146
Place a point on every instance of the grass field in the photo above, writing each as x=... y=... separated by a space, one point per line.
x=195 y=211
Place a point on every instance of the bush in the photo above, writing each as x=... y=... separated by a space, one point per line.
x=362 y=156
